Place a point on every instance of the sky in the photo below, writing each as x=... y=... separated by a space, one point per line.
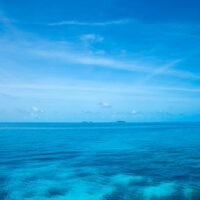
x=99 y=60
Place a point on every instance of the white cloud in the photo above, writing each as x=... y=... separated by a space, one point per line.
x=88 y=112
x=35 y=111
x=134 y=112
x=105 y=105
x=91 y=38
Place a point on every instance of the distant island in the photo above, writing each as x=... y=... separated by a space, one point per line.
x=121 y=122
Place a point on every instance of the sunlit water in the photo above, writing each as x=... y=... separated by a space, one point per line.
x=100 y=161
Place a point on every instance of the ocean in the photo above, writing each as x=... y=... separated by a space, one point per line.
x=100 y=161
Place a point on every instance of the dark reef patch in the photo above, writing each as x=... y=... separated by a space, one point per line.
x=3 y=194
x=29 y=194
x=3 y=180
x=55 y=191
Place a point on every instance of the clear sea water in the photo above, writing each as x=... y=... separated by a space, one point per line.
x=107 y=161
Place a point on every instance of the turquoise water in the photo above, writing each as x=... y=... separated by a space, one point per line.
x=91 y=161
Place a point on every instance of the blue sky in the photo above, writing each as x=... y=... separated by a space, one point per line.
x=108 y=60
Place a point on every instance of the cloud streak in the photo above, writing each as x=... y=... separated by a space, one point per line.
x=82 y=23
x=88 y=86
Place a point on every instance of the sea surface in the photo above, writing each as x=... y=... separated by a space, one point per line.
x=99 y=161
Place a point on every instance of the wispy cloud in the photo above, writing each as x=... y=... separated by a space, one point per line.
x=168 y=69
x=136 y=65
x=95 y=87
x=42 y=48
x=83 y=23
x=69 y=54
x=5 y=22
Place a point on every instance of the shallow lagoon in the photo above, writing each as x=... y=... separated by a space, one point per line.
x=91 y=161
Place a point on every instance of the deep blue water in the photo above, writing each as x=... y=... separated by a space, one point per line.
x=99 y=161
